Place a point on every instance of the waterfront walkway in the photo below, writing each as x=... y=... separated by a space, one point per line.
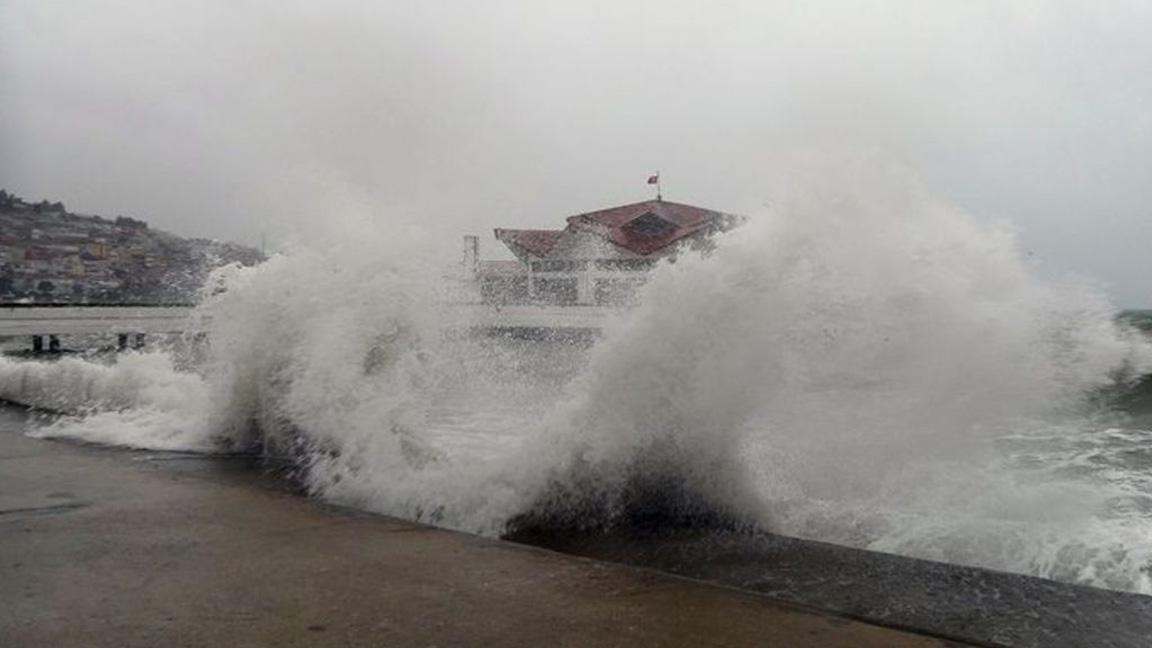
x=111 y=548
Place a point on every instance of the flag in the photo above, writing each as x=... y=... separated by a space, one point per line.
x=654 y=179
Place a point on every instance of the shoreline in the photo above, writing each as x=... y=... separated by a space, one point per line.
x=107 y=548
x=928 y=599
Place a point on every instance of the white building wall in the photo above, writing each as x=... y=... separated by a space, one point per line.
x=584 y=245
x=585 y=249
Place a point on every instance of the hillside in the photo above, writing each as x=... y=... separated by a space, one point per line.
x=49 y=255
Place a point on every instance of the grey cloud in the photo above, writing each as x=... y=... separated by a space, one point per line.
x=227 y=119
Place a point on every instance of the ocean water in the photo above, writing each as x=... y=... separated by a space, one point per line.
x=865 y=365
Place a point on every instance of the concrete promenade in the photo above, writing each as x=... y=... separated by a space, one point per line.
x=109 y=548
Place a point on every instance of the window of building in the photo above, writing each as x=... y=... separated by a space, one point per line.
x=504 y=289
x=556 y=291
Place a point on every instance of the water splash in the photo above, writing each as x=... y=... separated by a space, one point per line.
x=845 y=368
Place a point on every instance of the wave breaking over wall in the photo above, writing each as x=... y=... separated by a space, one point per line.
x=864 y=365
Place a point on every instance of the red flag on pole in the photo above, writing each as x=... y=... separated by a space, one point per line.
x=654 y=179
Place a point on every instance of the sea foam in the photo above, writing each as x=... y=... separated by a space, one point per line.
x=845 y=367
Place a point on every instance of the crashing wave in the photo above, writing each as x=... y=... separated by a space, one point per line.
x=843 y=368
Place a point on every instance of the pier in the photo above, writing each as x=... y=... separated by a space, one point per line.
x=131 y=324
x=44 y=325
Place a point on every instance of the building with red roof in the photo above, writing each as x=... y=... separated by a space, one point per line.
x=598 y=258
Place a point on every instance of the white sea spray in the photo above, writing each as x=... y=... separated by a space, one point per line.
x=846 y=367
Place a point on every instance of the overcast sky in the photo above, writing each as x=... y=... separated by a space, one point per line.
x=228 y=119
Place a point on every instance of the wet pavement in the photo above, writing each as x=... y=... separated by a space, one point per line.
x=111 y=548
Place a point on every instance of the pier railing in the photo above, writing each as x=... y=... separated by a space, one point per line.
x=44 y=324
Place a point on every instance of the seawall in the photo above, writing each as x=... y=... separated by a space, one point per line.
x=113 y=548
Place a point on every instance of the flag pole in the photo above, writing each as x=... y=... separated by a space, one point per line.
x=659 y=192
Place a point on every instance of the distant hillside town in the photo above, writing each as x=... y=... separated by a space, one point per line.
x=49 y=255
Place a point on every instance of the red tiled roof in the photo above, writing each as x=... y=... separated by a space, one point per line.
x=535 y=242
x=684 y=220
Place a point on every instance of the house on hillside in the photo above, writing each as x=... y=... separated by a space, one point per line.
x=598 y=258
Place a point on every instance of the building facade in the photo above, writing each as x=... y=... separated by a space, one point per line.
x=598 y=258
